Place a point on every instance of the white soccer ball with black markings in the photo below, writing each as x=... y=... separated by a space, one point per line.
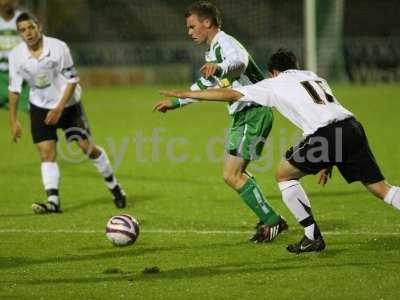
x=122 y=230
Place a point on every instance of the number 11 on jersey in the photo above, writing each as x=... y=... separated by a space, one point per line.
x=312 y=88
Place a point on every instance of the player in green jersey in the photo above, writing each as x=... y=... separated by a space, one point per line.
x=228 y=64
x=9 y=38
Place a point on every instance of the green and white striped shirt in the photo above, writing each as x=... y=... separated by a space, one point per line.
x=9 y=38
x=236 y=68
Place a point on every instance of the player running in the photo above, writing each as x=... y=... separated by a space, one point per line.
x=228 y=64
x=333 y=137
x=46 y=64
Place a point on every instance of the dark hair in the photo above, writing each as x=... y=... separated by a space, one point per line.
x=282 y=60
x=205 y=10
x=25 y=16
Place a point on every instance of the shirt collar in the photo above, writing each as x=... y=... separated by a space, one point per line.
x=216 y=37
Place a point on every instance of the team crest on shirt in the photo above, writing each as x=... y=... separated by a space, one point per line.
x=42 y=81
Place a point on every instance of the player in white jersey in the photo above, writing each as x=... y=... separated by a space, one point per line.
x=332 y=137
x=46 y=64
x=9 y=38
x=228 y=64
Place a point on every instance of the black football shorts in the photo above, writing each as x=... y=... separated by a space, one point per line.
x=342 y=144
x=72 y=121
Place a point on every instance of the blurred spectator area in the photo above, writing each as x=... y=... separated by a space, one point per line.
x=139 y=41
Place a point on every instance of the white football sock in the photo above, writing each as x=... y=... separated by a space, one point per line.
x=102 y=164
x=51 y=179
x=111 y=182
x=295 y=198
x=297 y=201
x=309 y=231
x=393 y=197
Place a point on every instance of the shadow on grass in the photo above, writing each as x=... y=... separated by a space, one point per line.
x=107 y=199
x=84 y=204
x=188 y=273
x=16 y=262
x=12 y=215
x=66 y=209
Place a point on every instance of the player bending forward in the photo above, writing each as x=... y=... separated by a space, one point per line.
x=333 y=137
x=46 y=64
x=229 y=64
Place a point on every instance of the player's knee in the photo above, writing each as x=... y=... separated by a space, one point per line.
x=227 y=177
x=280 y=175
x=47 y=155
x=96 y=152
x=89 y=149
x=231 y=178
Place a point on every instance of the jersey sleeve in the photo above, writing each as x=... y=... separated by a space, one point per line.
x=234 y=59
x=260 y=93
x=67 y=67
x=15 y=79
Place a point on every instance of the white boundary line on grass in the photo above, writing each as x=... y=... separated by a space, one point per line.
x=172 y=232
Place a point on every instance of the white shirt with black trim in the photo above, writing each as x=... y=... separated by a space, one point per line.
x=47 y=76
x=302 y=97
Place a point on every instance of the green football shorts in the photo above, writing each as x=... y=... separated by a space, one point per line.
x=23 y=103
x=248 y=132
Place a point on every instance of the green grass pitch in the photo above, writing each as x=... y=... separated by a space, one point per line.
x=194 y=228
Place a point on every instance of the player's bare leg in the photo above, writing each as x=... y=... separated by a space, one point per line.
x=298 y=203
x=383 y=190
x=271 y=224
x=50 y=178
x=234 y=171
x=100 y=160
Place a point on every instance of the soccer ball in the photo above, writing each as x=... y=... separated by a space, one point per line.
x=122 y=230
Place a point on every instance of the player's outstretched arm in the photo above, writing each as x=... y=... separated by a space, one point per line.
x=165 y=105
x=224 y=95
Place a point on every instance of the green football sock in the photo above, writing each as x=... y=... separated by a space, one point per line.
x=252 y=195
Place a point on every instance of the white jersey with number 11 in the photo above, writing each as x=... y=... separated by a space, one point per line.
x=302 y=97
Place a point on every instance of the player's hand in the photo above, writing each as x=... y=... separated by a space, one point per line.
x=53 y=116
x=163 y=106
x=208 y=69
x=16 y=131
x=324 y=175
